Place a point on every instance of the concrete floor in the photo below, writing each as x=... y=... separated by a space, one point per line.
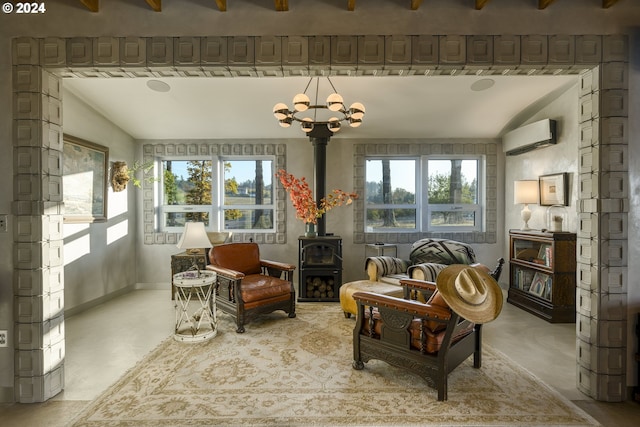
x=106 y=341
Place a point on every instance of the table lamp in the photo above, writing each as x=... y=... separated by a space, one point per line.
x=193 y=239
x=525 y=192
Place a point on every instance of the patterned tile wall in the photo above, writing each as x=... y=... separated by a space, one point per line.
x=40 y=65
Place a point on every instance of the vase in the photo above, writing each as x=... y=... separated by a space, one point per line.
x=310 y=230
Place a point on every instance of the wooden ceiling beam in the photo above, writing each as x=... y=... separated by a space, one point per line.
x=156 y=5
x=281 y=5
x=92 y=5
x=222 y=5
x=606 y=4
x=543 y=4
x=481 y=3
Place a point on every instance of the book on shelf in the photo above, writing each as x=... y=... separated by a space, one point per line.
x=523 y=279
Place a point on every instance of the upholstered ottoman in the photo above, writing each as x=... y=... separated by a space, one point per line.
x=347 y=302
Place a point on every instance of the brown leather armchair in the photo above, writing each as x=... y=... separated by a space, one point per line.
x=248 y=286
x=429 y=339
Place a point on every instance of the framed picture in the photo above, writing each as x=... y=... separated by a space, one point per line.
x=539 y=284
x=554 y=189
x=84 y=180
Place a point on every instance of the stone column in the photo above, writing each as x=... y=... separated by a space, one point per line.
x=602 y=228
x=37 y=227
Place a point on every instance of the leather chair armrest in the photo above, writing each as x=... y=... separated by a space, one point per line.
x=415 y=308
x=419 y=284
x=235 y=275
x=277 y=265
x=420 y=290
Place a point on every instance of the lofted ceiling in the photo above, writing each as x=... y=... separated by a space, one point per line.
x=407 y=106
x=464 y=106
x=283 y=5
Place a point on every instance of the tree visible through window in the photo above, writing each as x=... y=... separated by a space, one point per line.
x=452 y=190
x=190 y=193
x=390 y=194
x=248 y=194
x=449 y=200
x=186 y=191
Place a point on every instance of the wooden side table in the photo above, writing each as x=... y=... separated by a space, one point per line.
x=183 y=262
x=196 y=318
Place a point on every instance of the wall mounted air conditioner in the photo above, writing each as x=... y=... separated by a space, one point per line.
x=530 y=137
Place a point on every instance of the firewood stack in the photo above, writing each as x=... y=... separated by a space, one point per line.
x=320 y=287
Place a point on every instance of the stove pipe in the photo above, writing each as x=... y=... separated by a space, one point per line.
x=319 y=137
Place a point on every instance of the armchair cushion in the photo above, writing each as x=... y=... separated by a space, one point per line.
x=242 y=257
x=258 y=287
x=427 y=271
x=386 y=267
x=441 y=251
x=434 y=330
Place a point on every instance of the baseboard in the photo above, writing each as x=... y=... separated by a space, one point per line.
x=154 y=286
x=135 y=287
x=91 y=304
x=6 y=395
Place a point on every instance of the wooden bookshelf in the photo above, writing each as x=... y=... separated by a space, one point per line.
x=542 y=274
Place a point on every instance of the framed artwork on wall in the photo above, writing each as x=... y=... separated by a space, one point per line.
x=84 y=180
x=554 y=189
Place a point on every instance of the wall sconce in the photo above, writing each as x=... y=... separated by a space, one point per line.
x=525 y=192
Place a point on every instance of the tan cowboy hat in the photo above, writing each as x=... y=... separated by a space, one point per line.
x=470 y=292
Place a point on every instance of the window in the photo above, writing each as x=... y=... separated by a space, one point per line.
x=449 y=187
x=453 y=194
x=189 y=192
x=390 y=193
x=247 y=201
x=186 y=193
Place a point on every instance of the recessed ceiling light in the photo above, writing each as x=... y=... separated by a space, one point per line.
x=482 y=84
x=158 y=86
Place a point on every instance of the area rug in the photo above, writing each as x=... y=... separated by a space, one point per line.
x=297 y=372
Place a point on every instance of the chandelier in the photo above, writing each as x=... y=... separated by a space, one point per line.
x=330 y=114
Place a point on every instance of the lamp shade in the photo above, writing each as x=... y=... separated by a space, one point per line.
x=357 y=110
x=194 y=236
x=525 y=192
x=301 y=102
x=281 y=111
x=334 y=102
x=334 y=124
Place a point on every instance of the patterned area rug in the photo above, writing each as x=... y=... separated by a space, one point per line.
x=297 y=372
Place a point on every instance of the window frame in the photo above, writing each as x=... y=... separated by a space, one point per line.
x=415 y=205
x=478 y=208
x=220 y=194
x=162 y=208
x=423 y=208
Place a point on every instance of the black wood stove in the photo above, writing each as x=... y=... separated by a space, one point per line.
x=320 y=258
x=320 y=272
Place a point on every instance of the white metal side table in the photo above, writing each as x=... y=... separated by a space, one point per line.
x=381 y=249
x=195 y=306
